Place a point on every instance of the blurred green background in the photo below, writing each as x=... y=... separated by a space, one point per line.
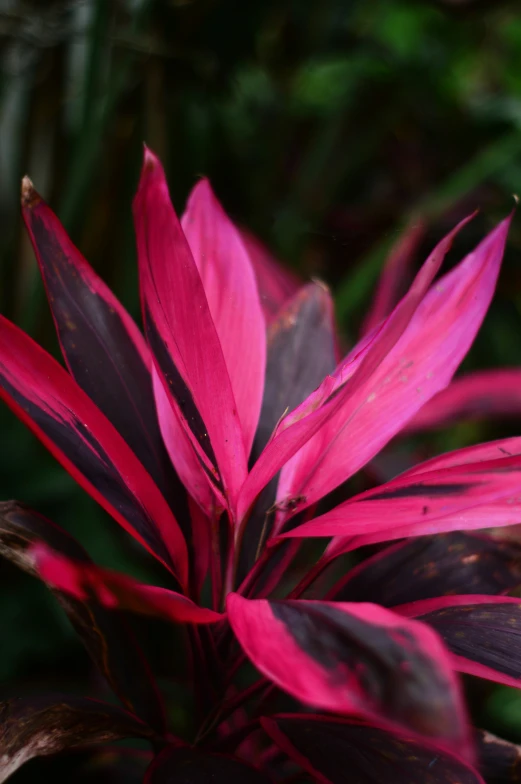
x=325 y=127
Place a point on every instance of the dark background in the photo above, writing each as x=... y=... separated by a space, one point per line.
x=325 y=127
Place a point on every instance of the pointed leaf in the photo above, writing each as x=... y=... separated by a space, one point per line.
x=397 y=266
x=275 y=283
x=500 y=761
x=355 y=659
x=431 y=566
x=182 y=334
x=487 y=393
x=106 y=636
x=466 y=496
x=231 y=291
x=341 y=409
x=481 y=631
x=49 y=401
x=103 y=348
x=41 y=726
x=338 y=751
x=85 y=581
x=191 y=766
x=414 y=362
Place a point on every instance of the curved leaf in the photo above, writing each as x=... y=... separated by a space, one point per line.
x=102 y=346
x=182 y=334
x=431 y=566
x=477 y=494
x=65 y=419
x=41 y=726
x=354 y=659
x=481 y=631
x=231 y=291
x=337 y=751
x=114 y=590
x=414 y=354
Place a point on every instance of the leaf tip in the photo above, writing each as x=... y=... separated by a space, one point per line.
x=30 y=198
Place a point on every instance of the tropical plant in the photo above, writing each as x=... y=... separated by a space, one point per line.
x=220 y=443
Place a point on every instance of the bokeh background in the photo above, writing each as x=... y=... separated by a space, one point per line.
x=327 y=128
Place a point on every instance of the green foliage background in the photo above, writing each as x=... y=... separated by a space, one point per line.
x=325 y=127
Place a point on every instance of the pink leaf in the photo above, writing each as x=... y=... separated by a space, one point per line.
x=460 y=497
x=411 y=370
x=481 y=631
x=116 y=591
x=183 y=336
x=231 y=290
x=383 y=381
x=354 y=659
x=44 y=396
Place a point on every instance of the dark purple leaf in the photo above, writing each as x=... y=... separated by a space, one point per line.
x=430 y=566
x=105 y=633
x=301 y=352
x=190 y=766
x=44 y=725
x=483 y=633
x=48 y=400
x=102 y=346
x=354 y=659
x=336 y=751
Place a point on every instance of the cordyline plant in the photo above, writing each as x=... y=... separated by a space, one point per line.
x=216 y=443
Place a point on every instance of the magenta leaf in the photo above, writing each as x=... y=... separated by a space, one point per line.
x=374 y=391
x=106 y=636
x=183 y=765
x=486 y=393
x=233 y=299
x=103 y=348
x=500 y=761
x=44 y=725
x=354 y=659
x=441 y=495
x=339 y=751
x=113 y=590
x=76 y=432
x=431 y=566
x=481 y=631
x=413 y=355
x=183 y=336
